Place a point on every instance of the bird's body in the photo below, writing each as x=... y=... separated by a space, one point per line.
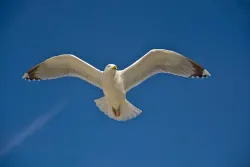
x=116 y=83
x=113 y=89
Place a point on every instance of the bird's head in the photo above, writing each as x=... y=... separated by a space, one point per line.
x=111 y=67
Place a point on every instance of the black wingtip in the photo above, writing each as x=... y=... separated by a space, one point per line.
x=31 y=74
x=199 y=71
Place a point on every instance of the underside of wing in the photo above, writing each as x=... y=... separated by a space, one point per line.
x=161 y=61
x=64 y=65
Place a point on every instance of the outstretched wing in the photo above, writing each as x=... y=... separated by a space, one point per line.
x=160 y=61
x=62 y=66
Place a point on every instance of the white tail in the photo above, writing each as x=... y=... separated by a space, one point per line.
x=128 y=110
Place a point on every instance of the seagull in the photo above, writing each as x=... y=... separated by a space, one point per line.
x=116 y=83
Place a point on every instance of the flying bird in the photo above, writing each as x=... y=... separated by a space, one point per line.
x=116 y=83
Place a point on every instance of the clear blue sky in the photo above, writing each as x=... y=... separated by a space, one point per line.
x=184 y=123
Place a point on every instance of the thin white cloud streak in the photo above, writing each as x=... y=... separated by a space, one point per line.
x=33 y=127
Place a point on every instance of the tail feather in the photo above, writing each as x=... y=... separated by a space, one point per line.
x=128 y=110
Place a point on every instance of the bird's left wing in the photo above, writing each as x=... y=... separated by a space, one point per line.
x=64 y=65
x=160 y=61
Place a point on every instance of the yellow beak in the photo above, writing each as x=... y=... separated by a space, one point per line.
x=114 y=68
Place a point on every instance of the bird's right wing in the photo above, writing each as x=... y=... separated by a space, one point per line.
x=160 y=61
x=65 y=65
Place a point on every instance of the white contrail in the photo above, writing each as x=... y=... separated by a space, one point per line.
x=34 y=126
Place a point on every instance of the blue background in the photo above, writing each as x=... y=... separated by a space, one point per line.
x=184 y=123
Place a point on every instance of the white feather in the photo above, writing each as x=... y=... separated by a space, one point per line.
x=160 y=61
x=128 y=111
x=64 y=65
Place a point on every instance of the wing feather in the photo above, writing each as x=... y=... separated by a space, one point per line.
x=160 y=61
x=62 y=66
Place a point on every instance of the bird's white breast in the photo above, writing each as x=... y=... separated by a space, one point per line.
x=113 y=89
